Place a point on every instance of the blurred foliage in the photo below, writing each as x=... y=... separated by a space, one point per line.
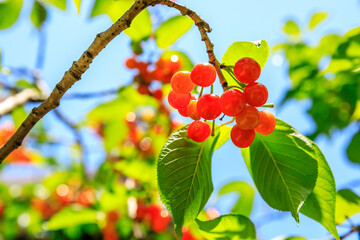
x=327 y=74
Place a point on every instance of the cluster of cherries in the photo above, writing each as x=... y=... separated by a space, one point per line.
x=154 y=216
x=162 y=71
x=241 y=105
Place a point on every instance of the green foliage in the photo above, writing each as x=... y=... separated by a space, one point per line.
x=141 y=26
x=316 y=19
x=246 y=196
x=347 y=205
x=291 y=28
x=284 y=167
x=229 y=226
x=38 y=14
x=9 y=12
x=61 y=4
x=353 y=149
x=257 y=50
x=184 y=176
x=70 y=217
x=320 y=205
x=77 y=4
x=171 y=30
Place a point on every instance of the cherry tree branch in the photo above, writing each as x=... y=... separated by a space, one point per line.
x=204 y=29
x=72 y=75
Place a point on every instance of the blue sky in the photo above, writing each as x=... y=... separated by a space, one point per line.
x=69 y=34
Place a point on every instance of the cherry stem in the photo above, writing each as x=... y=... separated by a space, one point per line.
x=212 y=89
x=242 y=86
x=235 y=87
x=222 y=117
x=268 y=105
x=201 y=92
x=213 y=127
x=226 y=123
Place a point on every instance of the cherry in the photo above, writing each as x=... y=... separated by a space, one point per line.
x=203 y=74
x=183 y=111
x=181 y=82
x=232 y=102
x=267 y=123
x=248 y=119
x=198 y=131
x=242 y=138
x=247 y=70
x=208 y=106
x=143 y=89
x=178 y=100
x=192 y=110
x=158 y=94
x=131 y=63
x=157 y=218
x=256 y=94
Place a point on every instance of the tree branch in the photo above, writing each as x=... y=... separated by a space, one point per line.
x=204 y=29
x=73 y=75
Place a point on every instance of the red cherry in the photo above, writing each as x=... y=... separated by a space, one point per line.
x=183 y=111
x=181 y=82
x=198 y=131
x=178 y=100
x=247 y=70
x=242 y=138
x=203 y=74
x=192 y=110
x=232 y=102
x=208 y=106
x=256 y=94
x=267 y=123
x=143 y=89
x=248 y=119
x=130 y=63
x=158 y=94
x=141 y=211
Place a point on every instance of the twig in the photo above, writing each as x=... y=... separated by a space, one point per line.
x=204 y=29
x=73 y=75
x=354 y=230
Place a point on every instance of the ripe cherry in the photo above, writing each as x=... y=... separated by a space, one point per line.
x=248 y=119
x=181 y=82
x=247 y=70
x=178 y=100
x=208 y=106
x=256 y=94
x=242 y=138
x=192 y=110
x=183 y=111
x=158 y=94
x=267 y=123
x=198 y=131
x=143 y=89
x=232 y=102
x=203 y=74
x=131 y=63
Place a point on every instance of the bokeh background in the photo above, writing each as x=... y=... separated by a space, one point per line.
x=66 y=34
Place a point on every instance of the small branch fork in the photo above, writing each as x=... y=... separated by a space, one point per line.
x=82 y=64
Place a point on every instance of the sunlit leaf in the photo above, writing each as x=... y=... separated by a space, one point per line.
x=71 y=216
x=291 y=28
x=316 y=19
x=77 y=4
x=61 y=4
x=353 y=149
x=9 y=12
x=290 y=238
x=347 y=205
x=320 y=205
x=229 y=226
x=284 y=167
x=38 y=14
x=184 y=176
x=245 y=200
x=171 y=30
x=224 y=136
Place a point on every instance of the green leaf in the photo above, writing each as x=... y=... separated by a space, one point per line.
x=246 y=193
x=290 y=238
x=184 y=176
x=171 y=30
x=137 y=169
x=141 y=26
x=347 y=205
x=353 y=149
x=9 y=12
x=316 y=19
x=38 y=14
x=224 y=136
x=284 y=167
x=257 y=50
x=61 y=4
x=71 y=216
x=77 y=4
x=229 y=226
x=291 y=28
x=320 y=205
